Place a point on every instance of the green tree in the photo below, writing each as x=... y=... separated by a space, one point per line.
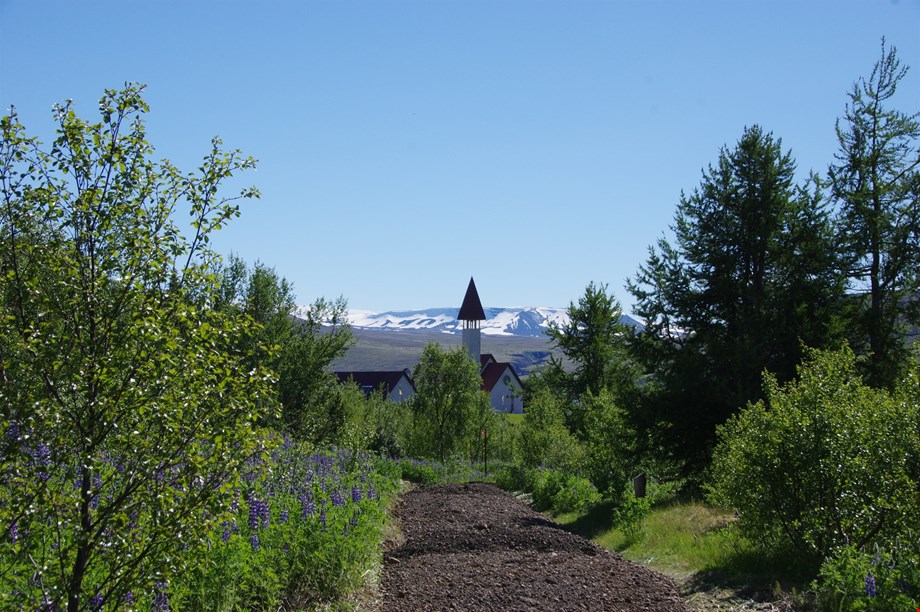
x=593 y=339
x=128 y=407
x=822 y=461
x=298 y=346
x=609 y=445
x=447 y=387
x=544 y=438
x=750 y=278
x=876 y=182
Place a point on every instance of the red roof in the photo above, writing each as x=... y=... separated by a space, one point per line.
x=493 y=373
x=471 y=309
x=485 y=358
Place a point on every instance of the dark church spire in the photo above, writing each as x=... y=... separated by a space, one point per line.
x=471 y=309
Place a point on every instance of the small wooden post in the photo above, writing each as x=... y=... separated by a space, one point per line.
x=639 y=485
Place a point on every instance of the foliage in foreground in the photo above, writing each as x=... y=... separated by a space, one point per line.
x=127 y=406
x=303 y=529
x=829 y=468
x=822 y=462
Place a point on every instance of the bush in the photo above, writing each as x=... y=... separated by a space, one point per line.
x=552 y=490
x=607 y=445
x=823 y=462
x=628 y=516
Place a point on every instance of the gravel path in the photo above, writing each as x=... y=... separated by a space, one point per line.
x=475 y=547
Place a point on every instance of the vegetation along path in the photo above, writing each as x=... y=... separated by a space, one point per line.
x=475 y=547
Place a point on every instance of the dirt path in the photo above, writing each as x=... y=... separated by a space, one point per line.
x=474 y=547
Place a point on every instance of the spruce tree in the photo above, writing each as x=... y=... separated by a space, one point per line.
x=749 y=278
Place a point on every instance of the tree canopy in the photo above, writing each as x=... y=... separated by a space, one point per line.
x=750 y=277
x=127 y=403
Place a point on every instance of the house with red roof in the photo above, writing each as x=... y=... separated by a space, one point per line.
x=499 y=379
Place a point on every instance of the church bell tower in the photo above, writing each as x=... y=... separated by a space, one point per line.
x=471 y=313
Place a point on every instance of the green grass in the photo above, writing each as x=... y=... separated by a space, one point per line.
x=691 y=541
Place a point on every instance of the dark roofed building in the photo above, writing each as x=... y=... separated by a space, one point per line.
x=396 y=385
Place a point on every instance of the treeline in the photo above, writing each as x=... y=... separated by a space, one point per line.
x=774 y=373
x=760 y=268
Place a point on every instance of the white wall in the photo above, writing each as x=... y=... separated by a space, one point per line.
x=404 y=387
x=507 y=397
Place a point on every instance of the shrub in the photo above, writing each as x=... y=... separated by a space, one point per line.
x=552 y=490
x=607 y=444
x=822 y=462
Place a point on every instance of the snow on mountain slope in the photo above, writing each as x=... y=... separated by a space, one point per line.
x=531 y=322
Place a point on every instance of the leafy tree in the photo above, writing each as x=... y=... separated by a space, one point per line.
x=127 y=405
x=822 y=461
x=447 y=387
x=544 y=439
x=300 y=347
x=609 y=445
x=876 y=181
x=750 y=278
x=593 y=340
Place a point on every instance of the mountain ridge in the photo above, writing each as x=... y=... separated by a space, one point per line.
x=532 y=321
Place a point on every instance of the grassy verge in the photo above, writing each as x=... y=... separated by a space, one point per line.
x=696 y=545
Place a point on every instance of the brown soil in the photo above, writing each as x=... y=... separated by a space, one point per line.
x=475 y=547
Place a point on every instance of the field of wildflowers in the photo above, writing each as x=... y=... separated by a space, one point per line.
x=302 y=527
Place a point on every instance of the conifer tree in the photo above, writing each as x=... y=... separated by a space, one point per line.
x=876 y=181
x=749 y=279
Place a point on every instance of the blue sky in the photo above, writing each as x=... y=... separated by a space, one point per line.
x=404 y=146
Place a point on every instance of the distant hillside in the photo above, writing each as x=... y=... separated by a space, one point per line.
x=521 y=322
x=395 y=340
x=387 y=350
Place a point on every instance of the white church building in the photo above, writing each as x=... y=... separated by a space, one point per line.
x=499 y=379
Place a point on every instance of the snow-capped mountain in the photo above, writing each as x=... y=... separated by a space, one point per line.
x=530 y=322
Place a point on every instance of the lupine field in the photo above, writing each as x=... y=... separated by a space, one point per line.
x=303 y=527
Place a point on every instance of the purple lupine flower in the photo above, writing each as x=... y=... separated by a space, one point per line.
x=254 y=542
x=355 y=494
x=372 y=492
x=96 y=601
x=283 y=517
x=160 y=599
x=337 y=498
x=354 y=519
x=12 y=432
x=229 y=529
x=322 y=515
x=870 y=586
x=264 y=514
x=254 y=507
x=345 y=531
x=14 y=532
x=308 y=508
x=128 y=598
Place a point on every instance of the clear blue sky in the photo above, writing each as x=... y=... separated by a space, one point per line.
x=404 y=146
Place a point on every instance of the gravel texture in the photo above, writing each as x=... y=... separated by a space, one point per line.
x=475 y=547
